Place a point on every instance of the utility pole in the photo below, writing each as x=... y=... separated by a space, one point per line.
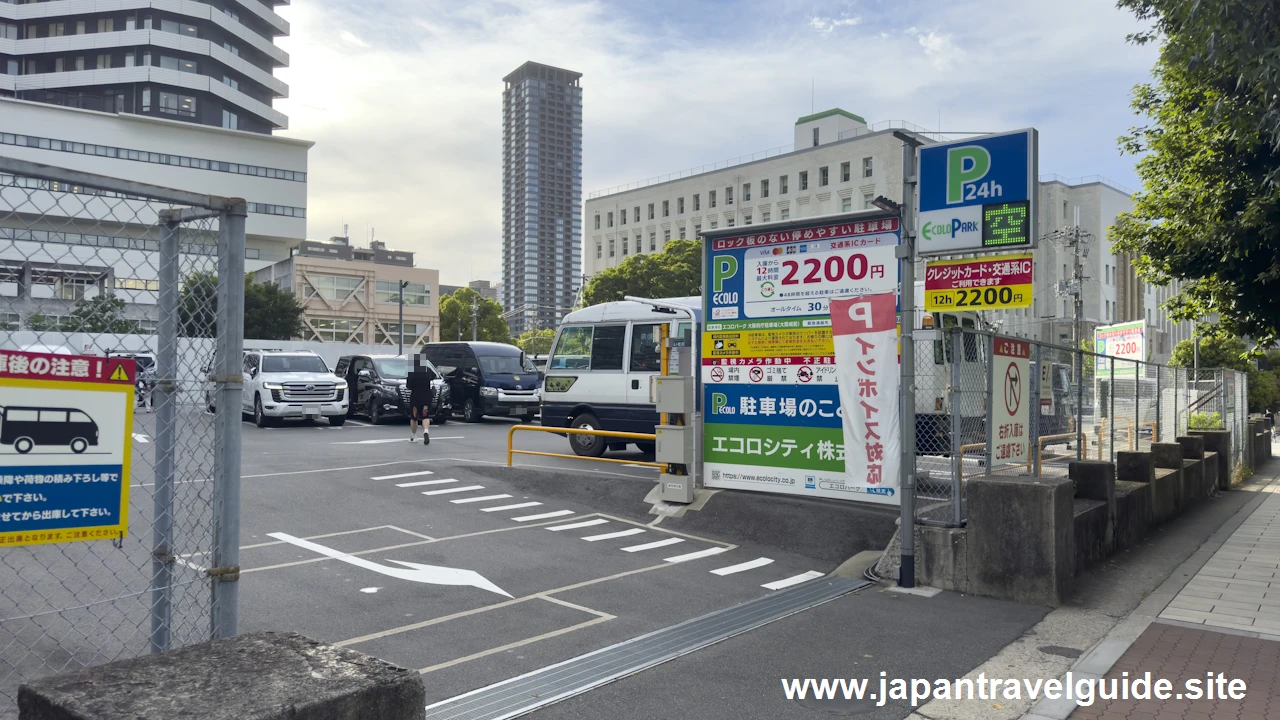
x=400 y=326
x=475 y=314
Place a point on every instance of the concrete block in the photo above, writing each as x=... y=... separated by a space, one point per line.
x=1096 y=480
x=1165 y=493
x=1192 y=447
x=1167 y=455
x=1134 y=503
x=1135 y=466
x=1021 y=538
x=1192 y=484
x=941 y=558
x=263 y=676
x=1210 y=482
x=1092 y=529
x=1218 y=441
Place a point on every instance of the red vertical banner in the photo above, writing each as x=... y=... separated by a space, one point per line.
x=864 y=330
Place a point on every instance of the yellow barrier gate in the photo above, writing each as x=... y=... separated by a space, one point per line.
x=644 y=437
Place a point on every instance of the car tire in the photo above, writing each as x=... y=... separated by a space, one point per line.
x=79 y=445
x=528 y=419
x=440 y=419
x=587 y=445
x=259 y=418
x=337 y=420
x=646 y=447
x=23 y=445
x=375 y=412
x=471 y=413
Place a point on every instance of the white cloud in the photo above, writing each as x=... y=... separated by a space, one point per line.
x=409 y=131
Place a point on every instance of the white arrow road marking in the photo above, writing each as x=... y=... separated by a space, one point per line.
x=794 y=580
x=142 y=438
x=430 y=574
x=742 y=567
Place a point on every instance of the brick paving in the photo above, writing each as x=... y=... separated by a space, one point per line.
x=1178 y=653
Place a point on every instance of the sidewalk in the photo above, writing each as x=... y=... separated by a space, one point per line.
x=1225 y=619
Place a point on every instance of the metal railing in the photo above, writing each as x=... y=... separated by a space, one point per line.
x=642 y=437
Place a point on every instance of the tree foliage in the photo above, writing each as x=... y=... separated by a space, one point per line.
x=1215 y=352
x=456 y=317
x=39 y=322
x=270 y=312
x=99 y=314
x=536 y=342
x=674 y=272
x=1210 y=212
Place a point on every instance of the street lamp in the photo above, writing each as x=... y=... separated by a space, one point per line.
x=400 y=327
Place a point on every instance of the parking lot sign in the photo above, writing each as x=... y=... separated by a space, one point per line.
x=65 y=431
x=979 y=194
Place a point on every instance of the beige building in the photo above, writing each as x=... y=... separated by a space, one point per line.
x=351 y=295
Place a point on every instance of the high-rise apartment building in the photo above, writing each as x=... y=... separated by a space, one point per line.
x=541 y=194
x=208 y=62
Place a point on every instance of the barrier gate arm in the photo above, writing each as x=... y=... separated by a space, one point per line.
x=645 y=437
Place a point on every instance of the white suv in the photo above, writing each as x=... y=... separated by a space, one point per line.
x=298 y=385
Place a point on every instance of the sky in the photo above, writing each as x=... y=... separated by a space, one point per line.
x=403 y=98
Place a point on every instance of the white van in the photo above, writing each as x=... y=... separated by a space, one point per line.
x=597 y=376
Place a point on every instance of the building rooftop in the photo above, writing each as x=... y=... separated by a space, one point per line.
x=829 y=113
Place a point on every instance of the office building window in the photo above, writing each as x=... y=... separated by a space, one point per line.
x=231 y=49
x=679 y=206
x=639 y=244
x=622 y=216
x=80 y=27
x=866 y=167
x=624 y=245
x=611 y=249
x=128 y=59
x=335 y=287
x=610 y=220
x=682 y=232
x=846 y=204
x=636 y=213
x=177 y=28
x=711 y=198
x=728 y=195
x=599 y=250
x=765 y=216
x=867 y=199
x=697 y=203
x=822 y=176
x=666 y=236
x=104 y=61
x=804 y=180
x=713 y=224
x=815 y=137
x=764 y=189
x=653 y=241
x=650 y=211
x=697 y=230
x=666 y=208
x=729 y=221
x=597 y=222
x=57 y=65
x=418 y=294
x=79 y=62
x=55 y=30
x=746 y=219
x=175 y=104
x=106 y=25
x=389 y=333
x=782 y=185
x=784 y=214
x=844 y=172
x=126 y=283
x=337 y=329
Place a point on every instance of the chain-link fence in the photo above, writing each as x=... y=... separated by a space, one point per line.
x=95 y=266
x=1082 y=406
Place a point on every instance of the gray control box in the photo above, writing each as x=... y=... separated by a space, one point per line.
x=674 y=444
x=675 y=488
x=673 y=394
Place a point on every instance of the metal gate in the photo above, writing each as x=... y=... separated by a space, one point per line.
x=91 y=265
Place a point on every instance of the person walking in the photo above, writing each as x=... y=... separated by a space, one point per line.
x=421 y=398
x=147 y=386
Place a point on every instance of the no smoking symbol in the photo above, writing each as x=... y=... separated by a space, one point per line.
x=1012 y=389
x=717 y=374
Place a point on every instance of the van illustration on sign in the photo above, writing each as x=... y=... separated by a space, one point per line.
x=26 y=427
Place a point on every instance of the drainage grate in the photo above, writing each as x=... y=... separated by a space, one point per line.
x=526 y=693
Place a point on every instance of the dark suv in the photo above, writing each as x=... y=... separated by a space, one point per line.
x=487 y=378
x=378 y=391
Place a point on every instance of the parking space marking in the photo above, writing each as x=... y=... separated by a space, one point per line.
x=446 y=491
x=357 y=423
x=382 y=441
x=612 y=535
x=742 y=567
x=652 y=545
x=421 y=483
x=794 y=580
x=696 y=555
x=543 y=516
x=482 y=498
x=332 y=469
x=575 y=526
x=535 y=463
x=336 y=534
x=402 y=475
x=517 y=506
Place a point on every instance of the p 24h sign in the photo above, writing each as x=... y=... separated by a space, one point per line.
x=979 y=194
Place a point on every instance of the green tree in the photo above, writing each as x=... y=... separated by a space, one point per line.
x=270 y=313
x=674 y=272
x=100 y=314
x=1209 y=215
x=536 y=342
x=456 y=317
x=1215 y=352
x=39 y=322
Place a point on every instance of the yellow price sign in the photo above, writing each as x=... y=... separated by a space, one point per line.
x=999 y=282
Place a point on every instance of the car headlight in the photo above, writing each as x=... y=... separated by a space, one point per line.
x=489 y=391
x=342 y=385
x=272 y=386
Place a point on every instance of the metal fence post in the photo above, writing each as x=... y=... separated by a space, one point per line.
x=1111 y=413
x=990 y=395
x=1135 y=441
x=165 y=395
x=225 y=570
x=1155 y=433
x=1078 y=355
x=957 y=442
x=1037 y=413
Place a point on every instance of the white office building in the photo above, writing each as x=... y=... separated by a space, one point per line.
x=839 y=163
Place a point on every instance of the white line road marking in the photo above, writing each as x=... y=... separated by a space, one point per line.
x=421 y=483
x=382 y=441
x=795 y=580
x=430 y=574
x=517 y=506
x=645 y=467
x=335 y=469
x=446 y=491
x=742 y=567
x=652 y=545
x=402 y=475
x=612 y=535
x=141 y=437
x=575 y=526
x=695 y=555
x=357 y=423
x=482 y=498
x=543 y=516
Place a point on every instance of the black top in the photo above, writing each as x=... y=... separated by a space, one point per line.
x=419 y=384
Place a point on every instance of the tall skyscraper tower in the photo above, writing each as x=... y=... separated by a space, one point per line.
x=541 y=194
x=209 y=62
